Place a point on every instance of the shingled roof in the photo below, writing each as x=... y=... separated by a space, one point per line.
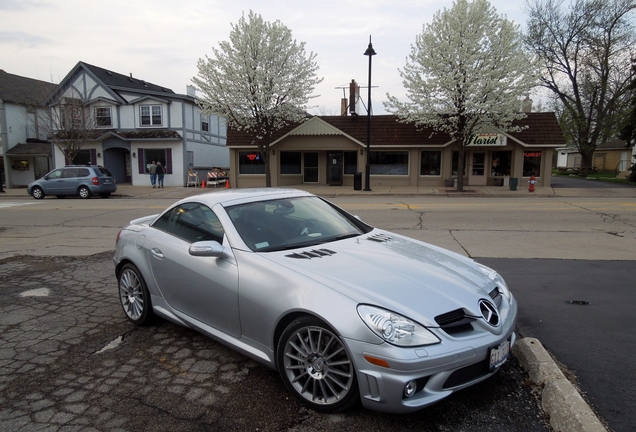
x=543 y=129
x=117 y=81
x=23 y=91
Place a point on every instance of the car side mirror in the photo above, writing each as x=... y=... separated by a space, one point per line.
x=207 y=249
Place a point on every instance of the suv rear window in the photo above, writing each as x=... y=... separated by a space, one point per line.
x=101 y=171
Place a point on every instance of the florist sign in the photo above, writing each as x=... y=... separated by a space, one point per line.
x=487 y=139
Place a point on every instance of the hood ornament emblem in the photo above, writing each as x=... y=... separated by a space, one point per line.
x=489 y=312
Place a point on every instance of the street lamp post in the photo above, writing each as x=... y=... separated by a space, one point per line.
x=367 y=176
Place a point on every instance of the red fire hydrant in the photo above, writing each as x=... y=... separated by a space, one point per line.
x=532 y=182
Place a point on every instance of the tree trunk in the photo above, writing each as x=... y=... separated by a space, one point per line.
x=461 y=167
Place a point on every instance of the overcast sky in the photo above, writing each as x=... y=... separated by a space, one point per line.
x=160 y=41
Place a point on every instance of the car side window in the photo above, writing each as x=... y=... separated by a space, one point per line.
x=69 y=172
x=53 y=175
x=192 y=222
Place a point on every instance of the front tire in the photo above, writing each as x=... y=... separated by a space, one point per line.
x=84 y=192
x=37 y=193
x=134 y=296
x=316 y=366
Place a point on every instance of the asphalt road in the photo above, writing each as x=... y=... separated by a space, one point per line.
x=582 y=311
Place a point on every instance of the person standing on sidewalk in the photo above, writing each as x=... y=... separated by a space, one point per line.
x=160 y=172
x=153 y=173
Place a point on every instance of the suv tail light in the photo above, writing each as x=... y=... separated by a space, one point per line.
x=95 y=181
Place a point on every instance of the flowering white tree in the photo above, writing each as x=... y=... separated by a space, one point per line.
x=467 y=72
x=260 y=80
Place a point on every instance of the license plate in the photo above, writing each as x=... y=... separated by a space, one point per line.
x=499 y=354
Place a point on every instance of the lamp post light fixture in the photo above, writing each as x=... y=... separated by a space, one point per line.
x=367 y=175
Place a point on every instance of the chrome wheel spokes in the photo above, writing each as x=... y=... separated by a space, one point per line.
x=318 y=366
x=131 y=294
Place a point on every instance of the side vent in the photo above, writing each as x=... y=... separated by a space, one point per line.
x=380 y=238
x=315 y=253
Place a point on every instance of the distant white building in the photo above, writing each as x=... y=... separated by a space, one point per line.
x=24 y=152
x=135 y=123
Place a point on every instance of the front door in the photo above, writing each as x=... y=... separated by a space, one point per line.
x=335 y=168
x=477 y=169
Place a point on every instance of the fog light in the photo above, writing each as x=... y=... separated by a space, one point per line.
x=410 y=388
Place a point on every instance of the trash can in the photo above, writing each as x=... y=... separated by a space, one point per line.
x=514 y=182
x=357 y=181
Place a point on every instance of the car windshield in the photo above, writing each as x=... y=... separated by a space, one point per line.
x=290 y=223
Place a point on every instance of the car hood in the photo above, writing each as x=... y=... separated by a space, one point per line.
x=384 y=269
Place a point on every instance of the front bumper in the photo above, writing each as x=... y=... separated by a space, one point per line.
x=438 y=370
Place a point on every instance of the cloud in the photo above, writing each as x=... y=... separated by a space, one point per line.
x=24 y=40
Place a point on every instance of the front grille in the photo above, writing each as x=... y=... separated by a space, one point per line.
x=467 y=374
x=455 y=322
x=314 y=253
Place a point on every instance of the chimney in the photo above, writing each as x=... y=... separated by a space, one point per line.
x=344 y=104
x=354 y=92
x=526 y=105
x=191 y=90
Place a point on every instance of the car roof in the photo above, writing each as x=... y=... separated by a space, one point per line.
x=230 y=197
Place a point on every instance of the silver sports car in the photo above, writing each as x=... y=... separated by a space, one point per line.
x=344 y=311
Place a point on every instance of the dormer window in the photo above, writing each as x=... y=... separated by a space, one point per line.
x=151 y=115
x=103 y=117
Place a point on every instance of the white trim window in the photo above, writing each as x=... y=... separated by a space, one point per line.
x=103 y=117
x=151 y=115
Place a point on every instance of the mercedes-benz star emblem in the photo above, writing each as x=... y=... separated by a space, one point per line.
x=489 y=312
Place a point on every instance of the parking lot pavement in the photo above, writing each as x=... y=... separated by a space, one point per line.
x=69 y=360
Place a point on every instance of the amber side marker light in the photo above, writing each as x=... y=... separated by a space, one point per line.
x=377 y=361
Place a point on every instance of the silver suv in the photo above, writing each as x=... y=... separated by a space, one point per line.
x=76 y=180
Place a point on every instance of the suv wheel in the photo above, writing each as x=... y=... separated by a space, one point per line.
x=37 y=193
x=84 y=192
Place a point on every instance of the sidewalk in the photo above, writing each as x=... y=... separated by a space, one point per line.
x=177 y=192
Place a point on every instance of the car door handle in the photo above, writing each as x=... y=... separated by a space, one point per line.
x=156 y=253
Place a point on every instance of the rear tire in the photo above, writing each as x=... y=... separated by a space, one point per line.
x=134 y=296
x=84 y=192
x=104 y=195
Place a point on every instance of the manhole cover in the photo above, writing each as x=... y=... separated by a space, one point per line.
x=578 y=302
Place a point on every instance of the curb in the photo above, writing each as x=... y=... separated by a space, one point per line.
x=566 y=408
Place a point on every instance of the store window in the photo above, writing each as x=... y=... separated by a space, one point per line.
x=251 y=163
x=147 y=156
x=501 y=163
x=431 y=163
x=532 y=163
x=389 y=163
x=350 y=162
x=290 y=162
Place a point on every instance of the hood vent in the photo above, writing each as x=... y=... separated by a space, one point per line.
x=380 y=238
x=315 y=253
x=455 y=322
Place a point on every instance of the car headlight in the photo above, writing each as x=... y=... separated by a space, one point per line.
x=394 y=328
x=496 y=278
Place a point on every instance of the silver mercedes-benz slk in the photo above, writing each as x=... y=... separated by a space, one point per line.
x=344 y=311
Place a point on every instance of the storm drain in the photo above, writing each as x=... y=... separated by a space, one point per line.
x=578 y=302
